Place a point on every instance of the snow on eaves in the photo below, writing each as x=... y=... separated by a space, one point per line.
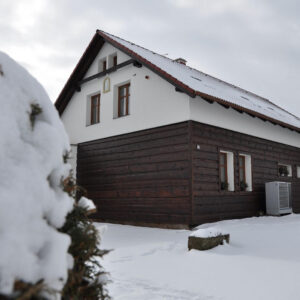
x=206 y=84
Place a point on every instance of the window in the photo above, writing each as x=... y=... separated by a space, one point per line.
x=245 y=172
x=298 y=171
x=95 y=109
x=123 y=100
x=104 y=65
x=226 y=171
x=284 y=170
x=112 y=60
x=223 y=170
x=242 y=171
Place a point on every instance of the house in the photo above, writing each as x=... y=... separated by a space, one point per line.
x=158 y=142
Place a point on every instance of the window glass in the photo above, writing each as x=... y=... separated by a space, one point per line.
x=123 y=100
x=122 y=107
x=223 y=170
x=242 y=168
x=95 y=109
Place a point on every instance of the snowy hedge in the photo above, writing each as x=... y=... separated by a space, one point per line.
x=33 y=204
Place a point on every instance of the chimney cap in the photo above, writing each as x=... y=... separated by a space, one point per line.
x=181 y=60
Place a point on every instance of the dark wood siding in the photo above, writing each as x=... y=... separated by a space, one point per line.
x=212 y=204
x=158 y=176
x=141 y=177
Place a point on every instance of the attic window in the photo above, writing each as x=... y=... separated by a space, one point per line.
x=102 y=66
x=196 y=78
x=112 y=60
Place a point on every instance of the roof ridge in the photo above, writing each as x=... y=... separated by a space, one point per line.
x=205 y=74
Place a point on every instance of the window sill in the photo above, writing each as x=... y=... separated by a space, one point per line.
x=92 y=124
x=122 y=117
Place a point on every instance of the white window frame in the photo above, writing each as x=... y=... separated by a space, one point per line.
x=230 y=169
x=88 y=109
x=248 y=171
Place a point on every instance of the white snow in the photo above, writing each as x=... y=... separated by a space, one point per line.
x=208 y=232
x=261 y=262
x=86 y=203
x=32 y=203
x=204 y=83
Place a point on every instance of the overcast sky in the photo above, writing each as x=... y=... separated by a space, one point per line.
x=254 y=44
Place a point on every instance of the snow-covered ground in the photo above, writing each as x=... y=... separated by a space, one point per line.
x=262 y=261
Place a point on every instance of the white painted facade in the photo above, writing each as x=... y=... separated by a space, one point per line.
x=153 y=102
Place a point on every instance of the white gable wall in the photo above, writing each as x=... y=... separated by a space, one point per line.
x=153 y=102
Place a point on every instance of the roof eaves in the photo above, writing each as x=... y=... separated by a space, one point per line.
x=246 y=110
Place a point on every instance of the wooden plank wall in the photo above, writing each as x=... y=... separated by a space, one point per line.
x=141 y=177
x=211 y=204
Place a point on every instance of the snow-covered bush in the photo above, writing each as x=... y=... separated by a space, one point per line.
x=34 y=200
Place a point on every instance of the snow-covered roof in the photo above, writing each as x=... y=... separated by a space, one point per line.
x=203 y=84
x=184 y=78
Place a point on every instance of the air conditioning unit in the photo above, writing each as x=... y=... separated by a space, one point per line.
x=278 y=198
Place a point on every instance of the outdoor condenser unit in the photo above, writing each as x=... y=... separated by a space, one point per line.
x=278 y=198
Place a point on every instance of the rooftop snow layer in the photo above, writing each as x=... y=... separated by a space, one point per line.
x=203 y=83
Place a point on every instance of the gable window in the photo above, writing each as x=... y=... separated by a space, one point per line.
x=95 y=109
x=284 y=170
x=245 y=172
x=112 y=60
x=123 y=100
x=104 y=65
x=226 y=171
x=115 y=61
